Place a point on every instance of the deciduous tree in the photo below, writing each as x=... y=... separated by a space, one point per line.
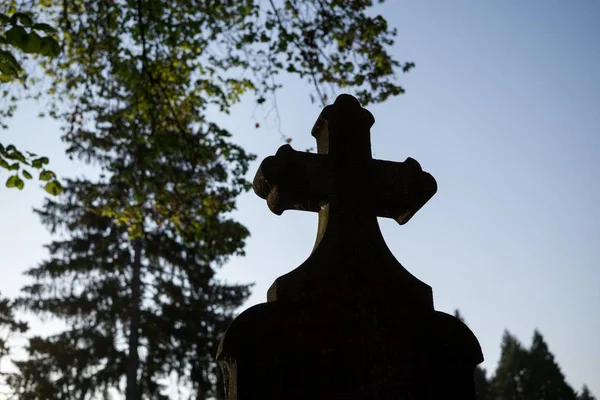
x=133 y=276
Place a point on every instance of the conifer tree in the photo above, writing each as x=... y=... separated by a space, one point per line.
x=585 y=394
x=529 y=374
x=482 y=384
x=508 y=382
x=544 y=377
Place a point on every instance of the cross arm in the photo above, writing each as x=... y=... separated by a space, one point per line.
x=402 y=188
x=294 y=180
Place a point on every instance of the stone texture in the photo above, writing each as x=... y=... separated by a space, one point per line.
x=350 y=322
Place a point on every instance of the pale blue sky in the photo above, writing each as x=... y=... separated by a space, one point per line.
x=503 y=109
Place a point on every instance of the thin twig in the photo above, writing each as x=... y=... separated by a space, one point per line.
x=302 y=51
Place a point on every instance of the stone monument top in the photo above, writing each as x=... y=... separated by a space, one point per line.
x=350 y=322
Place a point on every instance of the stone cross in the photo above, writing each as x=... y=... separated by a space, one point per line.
x=350 y=322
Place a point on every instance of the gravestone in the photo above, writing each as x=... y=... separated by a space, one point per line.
x=350 y=322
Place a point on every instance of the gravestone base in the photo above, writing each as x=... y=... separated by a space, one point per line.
x=347 y=351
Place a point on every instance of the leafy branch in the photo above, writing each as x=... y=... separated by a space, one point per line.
x=12 y=159
x=20 y=32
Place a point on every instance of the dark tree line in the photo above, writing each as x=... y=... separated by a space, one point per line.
x=526 y=374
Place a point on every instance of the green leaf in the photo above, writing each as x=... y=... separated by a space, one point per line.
x=24 y=18
x=10 y=182
x=4 y=19
x=17 y=36
x=15 y=181
x=8 y=60
x=16 y=155
x=49 y=47
x=34 y=43
x=39 y=162
x=26 y=174
x=54 y=188
x=9 y=69
x=4 y=164
x=44 y=28
x=408 y=66
x=8 y=64
x=14 y=167
x=46 y=175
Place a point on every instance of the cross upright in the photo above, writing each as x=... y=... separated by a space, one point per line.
x=349 y=190
x=350 y=322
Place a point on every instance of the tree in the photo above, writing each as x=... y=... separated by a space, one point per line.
x=134 y=277
x=508 y=381
x=482 y=384
x=183 y=309
x=529 y=374
x=585 y=394
x=140 y=276
x=524 y=374
x=544 y=378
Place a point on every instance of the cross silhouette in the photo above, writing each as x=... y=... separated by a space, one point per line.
x=343 y=174
x=349 y=189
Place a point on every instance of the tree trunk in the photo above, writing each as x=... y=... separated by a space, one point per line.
x=133 y=360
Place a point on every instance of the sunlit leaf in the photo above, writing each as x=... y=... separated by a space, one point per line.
x=54 y=188
x=40 y=162
x=15 y=182
x=16 y=155
x=46 y=175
